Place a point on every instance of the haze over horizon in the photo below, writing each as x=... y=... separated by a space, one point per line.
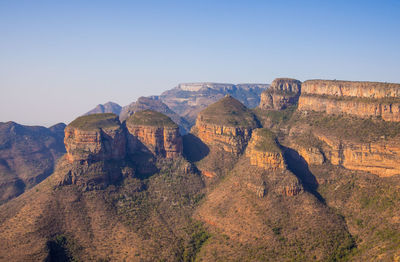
x=61 y=59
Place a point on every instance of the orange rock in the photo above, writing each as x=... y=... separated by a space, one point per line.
x=100 y=143
x=381 y=158
x=362 y=99
x=282 y=93
x=267 y=157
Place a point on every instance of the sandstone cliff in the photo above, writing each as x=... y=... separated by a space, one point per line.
x=362 y=99
x=263 y=150
x=95 y=137
x=380 y=157
x=227 y=124
x=154 y=132
x=356 y=144
x=282 y=93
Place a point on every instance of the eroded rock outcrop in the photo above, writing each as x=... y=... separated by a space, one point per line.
x=227 y=124
x=282 y=93
x=379 y=157
x=154 y=132
x=361 y=99
x=95 y=137
x=263 y=150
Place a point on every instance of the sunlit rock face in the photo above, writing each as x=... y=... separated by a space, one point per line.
x=282 y=93
x=361 y=99
x=95 y=137
x=154 y=132
x=226 y=124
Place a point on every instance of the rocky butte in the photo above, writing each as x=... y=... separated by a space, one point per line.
x=227 y=124
x=154 y=132
x=282 y=93
x=95 y=137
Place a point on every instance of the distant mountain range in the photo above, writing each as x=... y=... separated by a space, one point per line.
x=28 y=155
x=184 y=102
x=109 y=107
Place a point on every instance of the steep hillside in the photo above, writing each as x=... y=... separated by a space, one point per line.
x=188 y=99
x=99 y=205
x=276 y=183
x=109 y=107
x=28 y=155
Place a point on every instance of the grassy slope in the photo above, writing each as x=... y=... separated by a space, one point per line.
x=141 y=219
x=229 y=112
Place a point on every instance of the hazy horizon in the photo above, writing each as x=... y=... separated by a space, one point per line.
x=61 y=59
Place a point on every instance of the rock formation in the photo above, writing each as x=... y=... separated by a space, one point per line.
x=380 y=157
x=155 y=104
x=361 y=99
x=154 y=132
x=188 y=99
x=227 y=124
x=95 y=137
x=282 y=93
x=263 y=150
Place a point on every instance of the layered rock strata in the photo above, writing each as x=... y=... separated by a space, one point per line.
x=282 y=93
x=154 y=132
x=381 y=157
x=227 y=124
x=264 y=152
x=95 y=137
x=361 y=99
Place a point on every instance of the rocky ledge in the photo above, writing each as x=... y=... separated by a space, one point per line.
x=361 y=99
x=282 y=93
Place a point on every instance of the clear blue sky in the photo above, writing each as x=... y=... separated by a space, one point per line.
x=58 y=59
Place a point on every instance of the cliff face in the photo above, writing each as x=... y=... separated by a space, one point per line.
x=263 y=151
x=282 y=93
x=380 y=157
x=95 y=137
x=361 y=99
x=154 y=132
x=227 y=124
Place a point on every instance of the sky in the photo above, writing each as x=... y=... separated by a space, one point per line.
x=59 y=59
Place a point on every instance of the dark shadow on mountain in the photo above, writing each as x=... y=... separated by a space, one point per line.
x=298 y=166
x=141 y=157
x=58 y=250
x=193 y=148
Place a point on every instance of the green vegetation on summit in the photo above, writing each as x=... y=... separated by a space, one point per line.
x=96 y=121
x=228 y=112
x=150 y=118
x=267 y=141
